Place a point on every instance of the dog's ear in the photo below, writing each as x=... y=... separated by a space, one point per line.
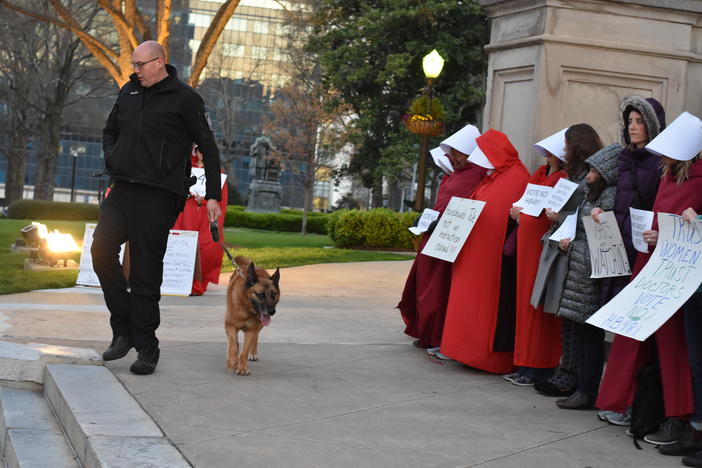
x=251 y=277
x=276 y=277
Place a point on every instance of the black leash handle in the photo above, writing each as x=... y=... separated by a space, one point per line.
x=214 y=230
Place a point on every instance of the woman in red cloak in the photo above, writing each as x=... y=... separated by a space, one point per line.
x=423 y=303
x=537 y=344
x=680 y=188
x=477 y=330
x=194 y=218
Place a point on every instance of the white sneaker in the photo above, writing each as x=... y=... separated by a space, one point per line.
x=619 y=419
x=433 y=351
x=602 y=415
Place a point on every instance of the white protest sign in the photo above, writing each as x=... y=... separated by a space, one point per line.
x=179 y=263
x=199 y=187
x=641 y=220
x=607 y=253
x=567 y=229
x=560 y=194
x=670 y=277
x=533 y=199
x=453 y=228
x=428 y=215
x=86 y=274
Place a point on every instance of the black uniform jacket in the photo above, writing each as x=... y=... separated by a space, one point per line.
x=149 y=135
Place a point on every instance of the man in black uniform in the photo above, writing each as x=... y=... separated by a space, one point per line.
x=147 y=141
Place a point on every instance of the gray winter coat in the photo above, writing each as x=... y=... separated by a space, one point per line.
x=553 y=263
x=581 y=294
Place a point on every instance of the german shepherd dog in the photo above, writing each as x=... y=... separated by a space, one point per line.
x=251 y=300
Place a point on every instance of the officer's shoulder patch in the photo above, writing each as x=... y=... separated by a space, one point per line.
x=209 y=121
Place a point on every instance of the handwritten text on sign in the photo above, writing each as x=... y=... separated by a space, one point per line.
x=86 y=274
x=670 y=277
x=533 y=199
x=560 y=194
x=453 y=228
x=607 y=253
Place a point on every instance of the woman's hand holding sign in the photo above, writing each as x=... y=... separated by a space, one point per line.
x=514 y=213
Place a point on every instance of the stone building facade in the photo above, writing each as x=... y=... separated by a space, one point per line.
x=555 y=63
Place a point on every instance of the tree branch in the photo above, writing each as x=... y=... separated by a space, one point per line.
x=208 y=42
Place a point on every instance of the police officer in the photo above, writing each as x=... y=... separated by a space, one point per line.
x=146 y=142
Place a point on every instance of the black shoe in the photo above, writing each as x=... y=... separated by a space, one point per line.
x=549 y=389
x=119 y=348
x=146 y=362
x=690 y=443
x=577 y=401
x=693 y=460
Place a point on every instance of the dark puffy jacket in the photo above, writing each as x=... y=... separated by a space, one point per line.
x=149 y=135
x=639 y=176
x=581 y=294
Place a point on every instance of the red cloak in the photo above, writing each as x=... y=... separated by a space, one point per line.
x=627 y=355
x=423 y=303
x=537 y=341
x=471 y=315
x=195 y=218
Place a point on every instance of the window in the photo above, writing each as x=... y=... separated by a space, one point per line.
x=232 y=50
x=260 y=27
x=236 y=24
x=260 y=53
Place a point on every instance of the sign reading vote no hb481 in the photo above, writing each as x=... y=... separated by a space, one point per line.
x=671 y=276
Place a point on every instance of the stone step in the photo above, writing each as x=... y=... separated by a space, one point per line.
x=22 y=365
x=105 y=425
x=30 y=436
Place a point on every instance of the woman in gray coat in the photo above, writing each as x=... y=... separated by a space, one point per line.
x=581 y=294
x=582 y=142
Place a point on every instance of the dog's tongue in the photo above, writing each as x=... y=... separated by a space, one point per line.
x=265 y=319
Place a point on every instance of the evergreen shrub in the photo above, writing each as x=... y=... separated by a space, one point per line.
x=43 y=209
x=374 y=228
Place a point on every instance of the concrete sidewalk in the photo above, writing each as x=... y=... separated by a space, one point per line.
x=338 y=384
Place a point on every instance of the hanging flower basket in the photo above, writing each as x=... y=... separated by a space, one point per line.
x=424 y=125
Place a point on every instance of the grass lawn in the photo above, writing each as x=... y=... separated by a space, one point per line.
x=268 y=249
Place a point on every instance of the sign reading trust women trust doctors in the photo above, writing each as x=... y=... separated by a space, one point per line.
x=671 y=276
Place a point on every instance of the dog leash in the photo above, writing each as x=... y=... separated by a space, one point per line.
x=214 y=230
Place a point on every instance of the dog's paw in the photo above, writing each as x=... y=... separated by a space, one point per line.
x=243 y=371
x=253 y=357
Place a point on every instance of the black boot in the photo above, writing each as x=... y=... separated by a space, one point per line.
x=119 y=348
x=146 y=362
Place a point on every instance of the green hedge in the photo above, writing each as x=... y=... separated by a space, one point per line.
x=41 y=209
x=375 y=228
x=275 y=221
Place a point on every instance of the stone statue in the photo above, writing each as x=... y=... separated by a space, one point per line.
x=265 y=192
x=263 y=166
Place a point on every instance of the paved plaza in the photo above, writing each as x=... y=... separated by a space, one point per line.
x=338 y=384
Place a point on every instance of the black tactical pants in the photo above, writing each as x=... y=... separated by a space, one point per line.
x=142 y=215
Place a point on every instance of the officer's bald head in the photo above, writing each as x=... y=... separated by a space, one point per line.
x=149 y=61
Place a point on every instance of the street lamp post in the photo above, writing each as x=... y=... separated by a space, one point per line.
x=432 y=63
x=75 y=151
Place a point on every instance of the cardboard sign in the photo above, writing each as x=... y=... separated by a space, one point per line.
x=560 y=194
x=641 y=220
x=181 y=263
x=607 y=253
x=533 y=199
x=86 y=274
x=567 y=229
x=428 y=216
x=453 y=228
x=670 y=277
x=199 y=187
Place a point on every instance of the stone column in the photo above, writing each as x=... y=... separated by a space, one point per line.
x=555 y=63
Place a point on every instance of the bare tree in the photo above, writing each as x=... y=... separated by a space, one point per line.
x=131 y=26
x=17 y=120
x=65 y=64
